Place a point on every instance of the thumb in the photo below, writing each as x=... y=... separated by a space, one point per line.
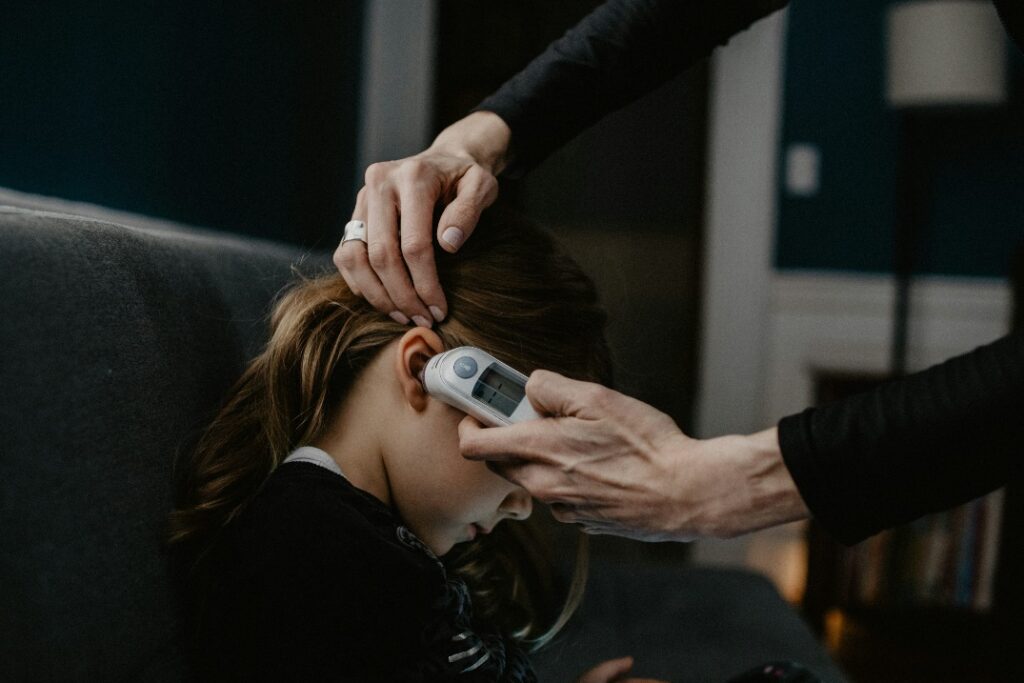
x=476 y=190
x=553 y=394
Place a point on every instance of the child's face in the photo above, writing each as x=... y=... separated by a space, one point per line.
x=399 y=444
x=444 y=498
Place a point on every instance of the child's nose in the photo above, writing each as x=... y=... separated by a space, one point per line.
x=518 y=504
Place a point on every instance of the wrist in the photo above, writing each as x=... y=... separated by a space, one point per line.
x=481 y=137
x=774 y=496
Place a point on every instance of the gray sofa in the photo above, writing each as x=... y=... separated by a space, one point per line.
x=118 y=336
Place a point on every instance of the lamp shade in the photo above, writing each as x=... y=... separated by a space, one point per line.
x=945 y=53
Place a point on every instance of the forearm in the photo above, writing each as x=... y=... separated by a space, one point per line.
x=482 y=137
x=924 y=443
x=774 y=495
x=623 y=49
x=749 y=487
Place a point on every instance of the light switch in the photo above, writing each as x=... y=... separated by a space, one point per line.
x=803 y=169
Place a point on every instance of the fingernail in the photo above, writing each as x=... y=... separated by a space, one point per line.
x=453 y=236
x=399 y=318
x=421 y=321
x=437 y=313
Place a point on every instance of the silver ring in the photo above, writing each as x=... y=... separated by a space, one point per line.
x=354 y=230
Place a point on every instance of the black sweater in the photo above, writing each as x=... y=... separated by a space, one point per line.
x=922 y=444
x=318 y=580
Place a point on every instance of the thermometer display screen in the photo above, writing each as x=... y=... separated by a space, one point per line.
x=499 y=390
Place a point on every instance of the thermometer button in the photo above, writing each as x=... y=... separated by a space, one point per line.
x=465 y=367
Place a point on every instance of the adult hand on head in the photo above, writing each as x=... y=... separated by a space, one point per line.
x=613 y=671
x=395 y=269
x=617 y=466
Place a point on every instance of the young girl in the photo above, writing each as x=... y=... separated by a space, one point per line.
x=330 y=527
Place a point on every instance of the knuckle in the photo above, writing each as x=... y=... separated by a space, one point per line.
x=537 y=379
x=346 y=259
x=415 y=249
x=377 y=173
x=596 y=395
x=428 y=292
x=413 y=168
x=379 y=255
x=482 y=182
x=488 y=183
x=527 y=480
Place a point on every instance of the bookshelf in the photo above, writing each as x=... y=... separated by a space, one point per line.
x=939 y=599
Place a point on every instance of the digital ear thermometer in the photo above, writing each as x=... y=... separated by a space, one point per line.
x=477 y=383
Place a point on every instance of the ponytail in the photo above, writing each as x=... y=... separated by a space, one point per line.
x=321 y=337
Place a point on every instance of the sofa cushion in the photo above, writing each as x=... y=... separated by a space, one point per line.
x=120 y=334
x=682 y=624
x=117 y=341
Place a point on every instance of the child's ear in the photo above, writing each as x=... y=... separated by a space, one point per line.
x=415 y=349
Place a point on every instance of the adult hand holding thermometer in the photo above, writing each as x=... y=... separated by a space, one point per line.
x=477 y=383
x=615 y=465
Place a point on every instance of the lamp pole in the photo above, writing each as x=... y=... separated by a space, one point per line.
x=942 y=56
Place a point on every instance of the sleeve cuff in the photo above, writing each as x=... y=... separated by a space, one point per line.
x=846 y=519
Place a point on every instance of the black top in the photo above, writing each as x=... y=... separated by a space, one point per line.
x=929 y=442
x=318 y=580
x=620 y=51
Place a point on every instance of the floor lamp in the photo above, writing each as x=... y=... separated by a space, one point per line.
x=944 y=58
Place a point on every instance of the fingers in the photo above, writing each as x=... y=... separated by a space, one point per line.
x=553 y=394
x=417 y=247
x=344 y=257
x=476 y=190
x=587 y=517
x=515 y=442
x=565 y=513
x=608 y=671
x=377 y=269
x=385 y=257
x=351 y=259
x=545 y=483
x=517 y=453
x=395 y=270
x=476 y=442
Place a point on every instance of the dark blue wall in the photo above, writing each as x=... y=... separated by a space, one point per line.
x=834 y=98
x=238 y=115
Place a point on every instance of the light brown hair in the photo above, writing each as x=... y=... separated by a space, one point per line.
x=511 y=291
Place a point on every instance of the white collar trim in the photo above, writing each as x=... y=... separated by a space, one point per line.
x=314 y=456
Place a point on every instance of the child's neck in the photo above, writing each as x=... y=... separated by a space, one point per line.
x=352 y=439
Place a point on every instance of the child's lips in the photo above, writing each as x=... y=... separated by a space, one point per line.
x=475 y=529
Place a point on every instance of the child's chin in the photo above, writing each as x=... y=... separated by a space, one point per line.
x=443 y=548
x=447 y=547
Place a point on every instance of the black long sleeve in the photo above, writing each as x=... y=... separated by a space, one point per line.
x=622 y=50
x=924 y=443
x=318 y=580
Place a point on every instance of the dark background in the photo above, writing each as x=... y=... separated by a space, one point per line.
x=835 y=98
x=244 y=116
x=239 y=115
